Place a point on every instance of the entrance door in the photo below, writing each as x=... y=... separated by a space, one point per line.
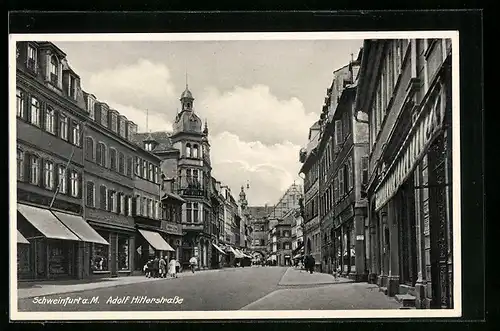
x=440 y=226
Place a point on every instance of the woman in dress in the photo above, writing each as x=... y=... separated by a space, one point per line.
x=171 y=268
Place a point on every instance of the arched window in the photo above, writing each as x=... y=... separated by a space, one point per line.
x=188 y=150
x=101 y=154
x=89 y=148
x=195 y=151
x=113 y=159
x=54 y=70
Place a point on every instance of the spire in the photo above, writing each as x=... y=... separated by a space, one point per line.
x=205 y=130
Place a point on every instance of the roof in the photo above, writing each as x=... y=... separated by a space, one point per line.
x=258 y=211
x=187 y=94
x=161 y=137
x=170 y=195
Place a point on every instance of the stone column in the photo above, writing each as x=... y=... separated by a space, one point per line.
x=393 y=278
x=421 y=281
x=384 y=268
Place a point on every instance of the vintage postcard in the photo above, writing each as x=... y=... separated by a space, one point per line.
x=234 y=176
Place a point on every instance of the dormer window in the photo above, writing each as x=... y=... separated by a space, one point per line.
x=148 y=146
x=91 y=107
x=72 y=87
x=31 y=62
x=122 y=127
x=114 y=122
x=104 y=116
x=54 y=70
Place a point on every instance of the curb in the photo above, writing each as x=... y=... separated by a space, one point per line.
x=314 y=284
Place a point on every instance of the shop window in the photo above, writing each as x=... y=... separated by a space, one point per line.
x=123 y=253
x=20 y=164
x=35 y=111
x=20 y=103
x=63 y=127
x=58 y=258
x=48 y=175
x=90 y=194
x=100 y=254
x=62 y=180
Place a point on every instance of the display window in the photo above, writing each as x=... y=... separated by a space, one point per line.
x=100 y=255
x=123 y=253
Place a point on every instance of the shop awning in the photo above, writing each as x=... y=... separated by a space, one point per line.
x=21 y=239
x=299 y=247
x=156 y=240
x=81 y=228
x=46 y=222
x=235 y=252
x=219 y=249
x=298 y=256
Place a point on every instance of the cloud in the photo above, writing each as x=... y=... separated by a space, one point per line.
x=255 y=114
x=269 y=170
x=143 y=85
x=156 y=122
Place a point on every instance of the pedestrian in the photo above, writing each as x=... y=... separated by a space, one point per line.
x=149 y=269
x=192 y=263
x=312 y=262
x=172 y=268
x=156 y=267
x=163 y=267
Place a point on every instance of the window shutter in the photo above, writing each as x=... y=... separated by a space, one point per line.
x=125 y=202
x=70 y=130
x=80 y=184
x=69 y=189
x=27 y=167
x=41 y=114
x=118 y=197
x=56 y=123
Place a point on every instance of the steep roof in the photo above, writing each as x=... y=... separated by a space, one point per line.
x=161 y=137
x=258 y=211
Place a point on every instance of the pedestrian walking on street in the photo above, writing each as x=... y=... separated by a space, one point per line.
x=192 y=263
x=156 y=267
x=163 y=267
x=172 y=268
x=149 y=269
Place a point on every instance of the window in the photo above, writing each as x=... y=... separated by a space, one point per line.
x=144 y=169
x=350 y=178
x=336 y=188
x=35 y=170
x=63 y=126
x=32 y=58
x=195 y=212
x=103 y=197
x=48 y=175
x=100 y=255
x=338 y=132
x=129 y=206
x=91 y=107
x=72 y=87
x=20 y=164
x=364 y=170
x=195 y=177
x=137 y=166
x=75 y=189
x=90 y=194
x=104 y=116
x=101 y=154
x=188 y=150
x=195 y=151
x=151 y=172
x=54 y=70
x=150 y=208
x=144 y=206
x=130 y=165
x=341 y=181
x=122 y=204
x=157 y=179
x=35 y=111
x=89 y=148
x=114 y=122
x=76 y=133
x=20 y=103
x=121 y=163
x=112 y=153
x=123 y=253
x=61 y=174
x=112 y=201
x=138 y=207
x=122 y=128
x=189 y=216
x=50 y=120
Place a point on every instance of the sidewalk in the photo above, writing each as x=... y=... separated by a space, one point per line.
x=297 y=277
x=31 y=289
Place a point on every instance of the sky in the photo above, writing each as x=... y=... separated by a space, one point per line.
x=258 y=97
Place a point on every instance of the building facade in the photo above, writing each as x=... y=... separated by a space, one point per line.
x=310 y=169
x=405 y=88
x=259 y=227
x=297 y=234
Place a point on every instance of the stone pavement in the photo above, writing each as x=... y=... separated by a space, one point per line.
x=343 y=296
x=41 y=288
x=298 y=277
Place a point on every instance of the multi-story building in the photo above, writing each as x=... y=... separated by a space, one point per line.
x=49 y=124
x=343 y=153
x=405 y=88
x=283 y=236
x=309 y=159
x=297 y=234
x=259 y=225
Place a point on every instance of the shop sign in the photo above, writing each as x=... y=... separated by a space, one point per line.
x=139 y=250
x=171 y=228
x=425 y=128
x=360 y=237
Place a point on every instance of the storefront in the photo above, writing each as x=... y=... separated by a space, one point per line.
x=149 y=245
x=218 y=255
x=56 y=246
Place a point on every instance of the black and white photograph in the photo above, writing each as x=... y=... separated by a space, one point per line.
x=234 y=175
